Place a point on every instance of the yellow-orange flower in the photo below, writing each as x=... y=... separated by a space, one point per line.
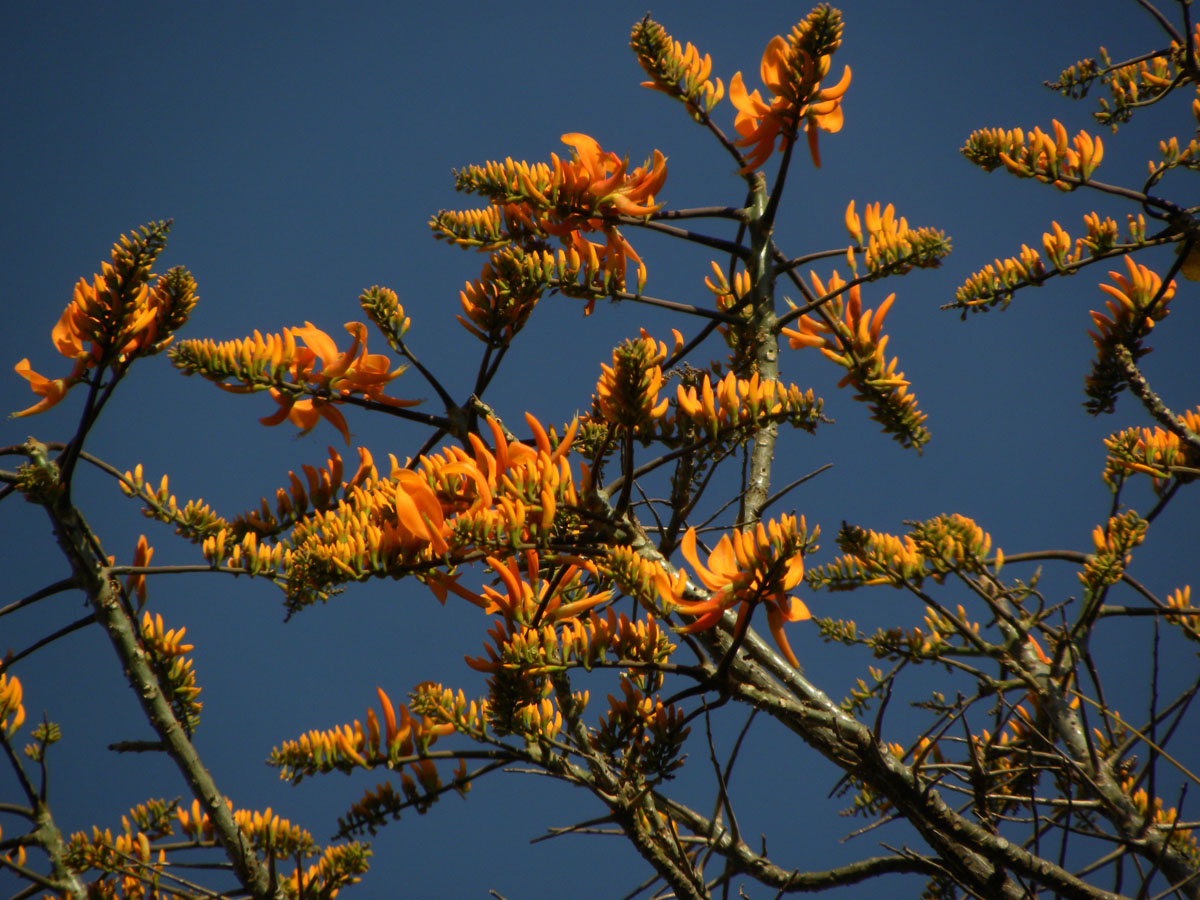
x=136 y=584
x=627 y=392
x=1131 y=297
x=854 y=339
x=338 y=373
x=760 y=564
x=599 y=181
x=564 y=199
x=793 y=77
x=10 y=705
x=677 y=71
x=51 y=390
x=117 y=316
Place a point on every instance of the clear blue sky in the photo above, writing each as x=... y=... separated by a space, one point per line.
x=302 y=147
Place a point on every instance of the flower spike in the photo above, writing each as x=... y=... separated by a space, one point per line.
x=116 y=318
x=854 y=339
x=676 y=71
x=792 y=71
x=306 y=379
x=760 y=564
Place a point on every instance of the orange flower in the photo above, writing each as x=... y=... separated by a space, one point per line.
x=595 y=182
x=118 y=316
x=136 y=584
x=306 y=413
x=627 y=392
x=793 y=77
x=354 y=371
x=50 y=390
x=760 y=564
x=523 y=597
x=10 y=705
x=564 y=199
x=598 y=180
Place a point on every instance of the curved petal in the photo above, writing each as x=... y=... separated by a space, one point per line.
x=835 y=90
x=688 y=548
x=775 y=622
x=318 y=341
x=588 y=151
x=748 y=104
x=774 y=67
x=50 y=390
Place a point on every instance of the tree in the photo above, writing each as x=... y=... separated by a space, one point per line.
x=1017 y=774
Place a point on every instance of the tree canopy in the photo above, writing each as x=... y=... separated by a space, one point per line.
x=675 y=567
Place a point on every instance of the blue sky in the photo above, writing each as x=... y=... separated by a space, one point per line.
x=301 y=149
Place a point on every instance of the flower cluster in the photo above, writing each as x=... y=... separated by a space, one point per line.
x=892 y=247
x=1165 y=818
x=129 y=856
x=195 y=520
x=383 y=308
x=573 y=640
x=627 y=392
x=943 y=633
x=735 y=403
x=338 y=866
x=759 y=565
x=400 y=741
x=444 y=508
x=677 y=71
x=854 y=340
x=994 y=284
x=321 y=489
x=490 y=228
x=118 y=317
x=644 y=733
x=139 y=865
x=792 y=70
x=529 y=599
x=1114 y=550
x=1048 y=158
x=564 y=199
x=380 y=804
x=932 y=549
x=10 y=705
x=446 y=707
x=249 y=554
x=1139 y=299
x=1133 y=84
x=1175 y=156
x=498 y=303
x=1181 y=599
x=269 y=833
x=168 y=654
x=313 y=369
x=1155 y=452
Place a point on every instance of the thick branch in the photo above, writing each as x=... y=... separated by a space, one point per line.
x=746 y=861
x=766 y=352
x=81 y=548
x=1154 y=405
